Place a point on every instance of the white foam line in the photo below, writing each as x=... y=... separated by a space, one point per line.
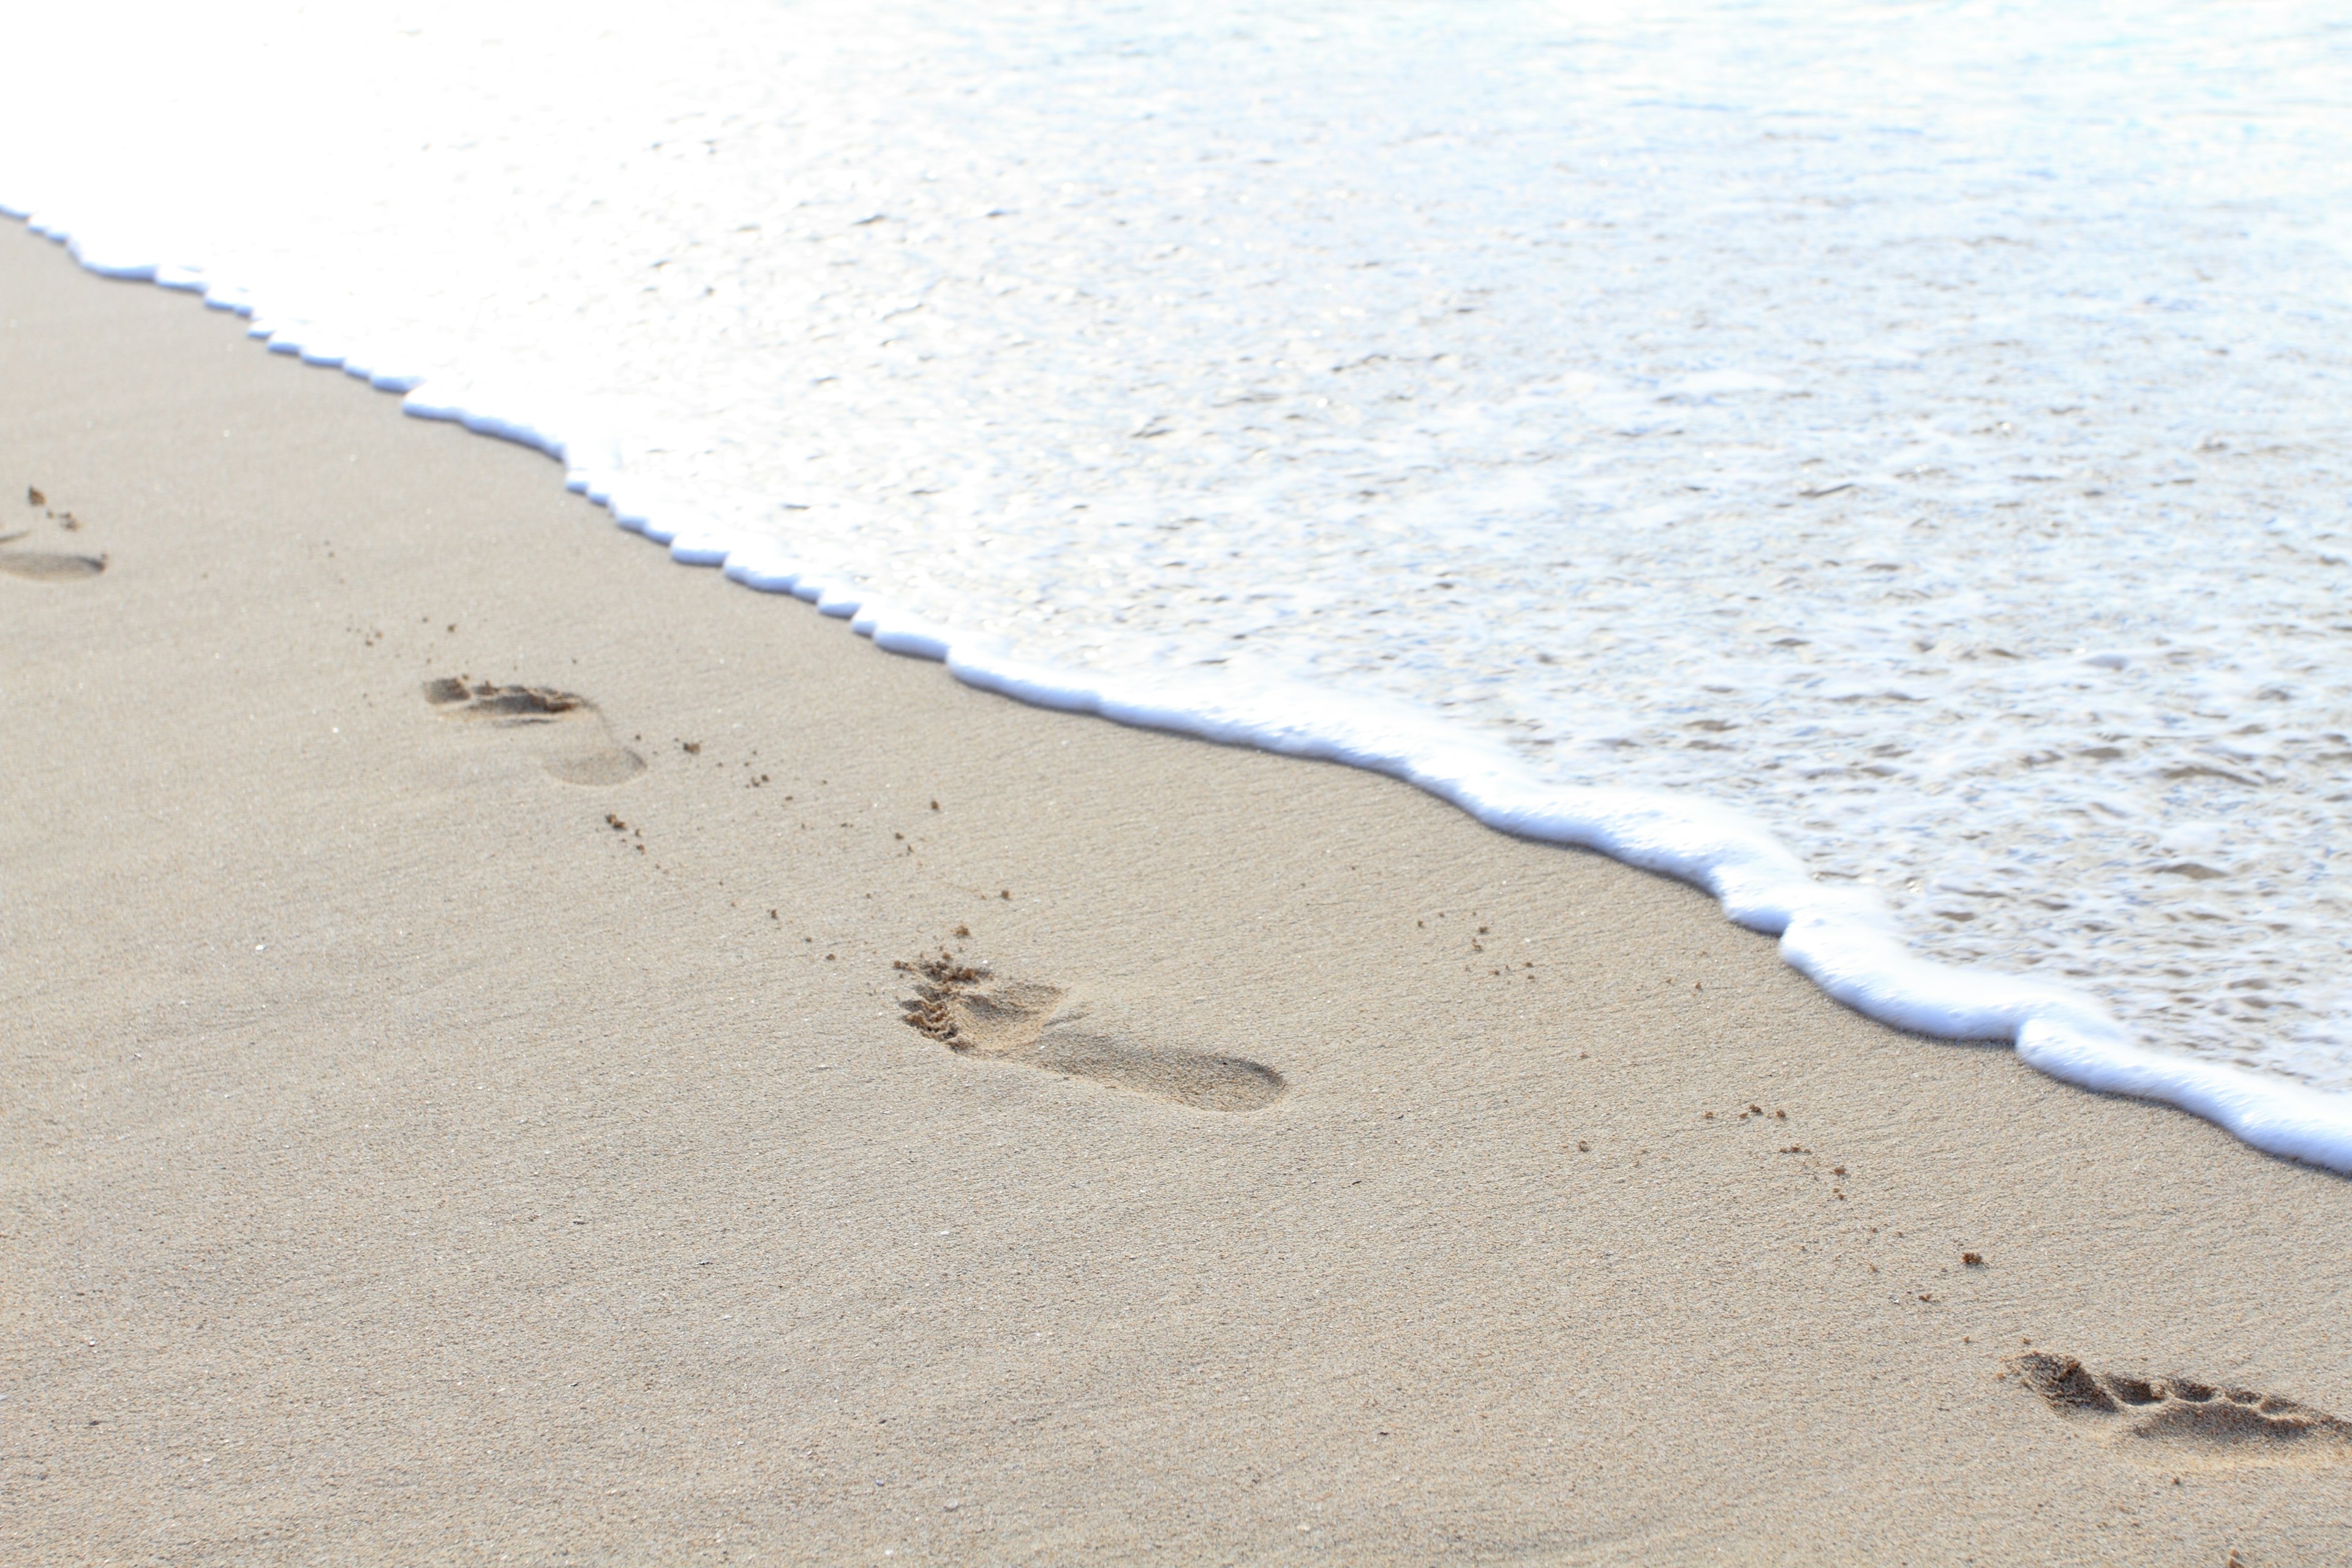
x=1841 y=939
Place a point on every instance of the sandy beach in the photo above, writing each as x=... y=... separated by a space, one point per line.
x=519 y=1051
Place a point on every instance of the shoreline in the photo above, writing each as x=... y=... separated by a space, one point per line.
x=1849 y=946
x=410 y=1163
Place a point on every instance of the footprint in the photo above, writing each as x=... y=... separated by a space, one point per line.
x=2179 y=1422
x=574 y=744
x=972 y=1013
x=49 y=565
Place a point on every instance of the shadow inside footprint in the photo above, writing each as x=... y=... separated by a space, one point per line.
x=574 y=744
x=972 y=1013
x=2179 y=1420
x=50 y=565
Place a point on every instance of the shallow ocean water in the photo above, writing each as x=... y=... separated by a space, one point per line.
x=1923 y=427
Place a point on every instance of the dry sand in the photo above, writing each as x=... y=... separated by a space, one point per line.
x=417 y=1154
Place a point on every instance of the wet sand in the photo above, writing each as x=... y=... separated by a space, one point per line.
x=463 y=1102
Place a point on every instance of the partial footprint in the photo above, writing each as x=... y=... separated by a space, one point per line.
x=50 y=565
x=971 y=1011
x=2179 y=1422
x=47 y=565
x=574 y=744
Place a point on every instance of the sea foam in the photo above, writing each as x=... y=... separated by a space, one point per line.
x=1879 y=463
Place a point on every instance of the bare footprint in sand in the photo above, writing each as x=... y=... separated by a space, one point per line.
x=47 y=565
x=574 y=744
x=974 y=1014
x=2180 y=1423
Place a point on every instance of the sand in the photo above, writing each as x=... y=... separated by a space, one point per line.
x=481 y=1121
